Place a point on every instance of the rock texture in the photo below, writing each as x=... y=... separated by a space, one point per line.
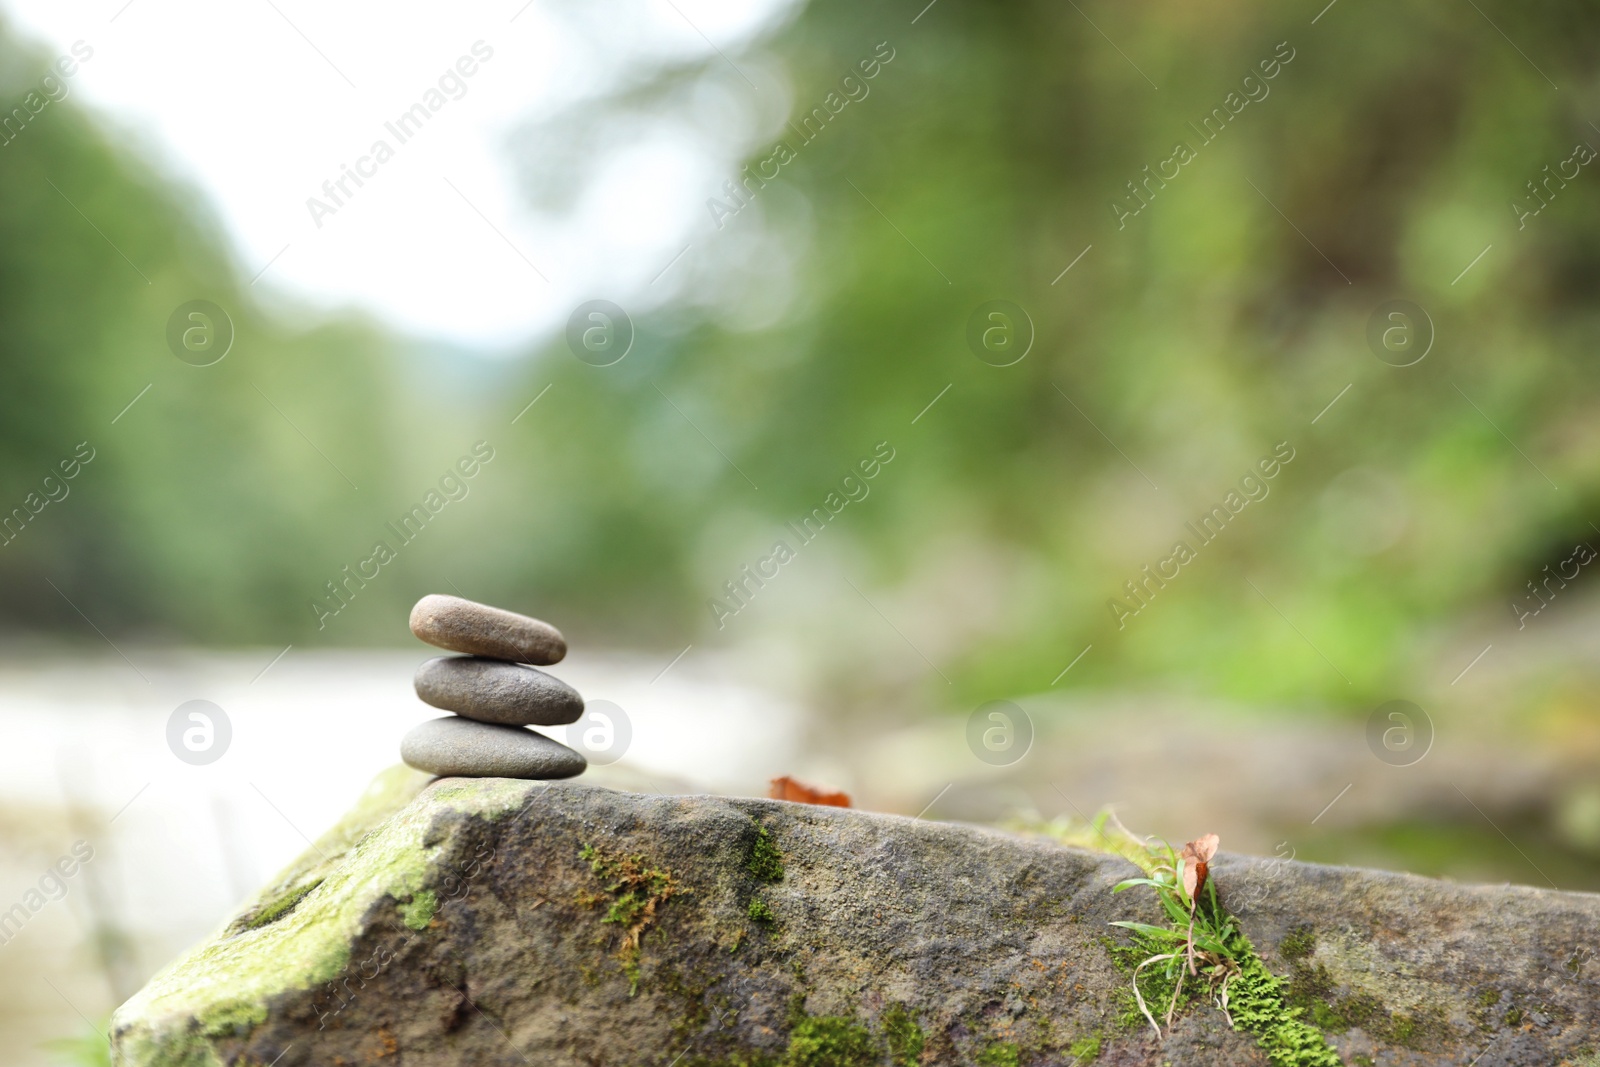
x=480 y=630
x=490 y=690
x=456 y=746
x=491 y=922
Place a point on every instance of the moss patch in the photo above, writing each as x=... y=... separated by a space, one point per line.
x=418 y=912
x=638 y=891
x=764 y=862
x=1312 y=991
x=1003 y=1054
x=1085 y=1050
x=834 y=1041
x=230 y=1019
x=831 y=1041
x=1153 y=982
x=1257 y=1006
x=904 y=1036
x=384 y=848
x=1299 y=944
x=277 y=907
x=759 y=912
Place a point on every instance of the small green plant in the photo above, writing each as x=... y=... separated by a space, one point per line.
x=1199 y=936
x=759 y=912
x=1085 y=1050
x=1204 y=946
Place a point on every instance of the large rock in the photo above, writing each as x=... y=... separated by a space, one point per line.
x=491 y=922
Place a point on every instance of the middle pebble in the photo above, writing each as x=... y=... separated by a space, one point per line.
x=491 y=690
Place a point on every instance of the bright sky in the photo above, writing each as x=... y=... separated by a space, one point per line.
x=257 y=103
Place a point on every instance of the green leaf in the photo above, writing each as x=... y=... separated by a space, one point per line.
x=1159 y=932
x=1129 y=883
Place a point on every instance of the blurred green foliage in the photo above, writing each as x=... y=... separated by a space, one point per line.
x=201 y=514
x=1196 y=335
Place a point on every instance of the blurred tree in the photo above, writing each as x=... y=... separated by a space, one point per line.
x=202 y=512
x=1216 y=308
x=1352 y=156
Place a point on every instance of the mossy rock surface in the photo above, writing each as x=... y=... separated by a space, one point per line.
x=490 y=922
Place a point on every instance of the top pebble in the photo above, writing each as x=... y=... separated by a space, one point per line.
x=479 y=630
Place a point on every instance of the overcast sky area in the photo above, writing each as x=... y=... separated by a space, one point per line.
x=257 y=104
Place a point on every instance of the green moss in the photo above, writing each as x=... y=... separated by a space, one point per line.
x=180 y=1049
x=1416 y=1030
x=904 y=1036
x=1001 y=1054
x=627 y=910
x=1312 y=991
x=1257 y=1005
x=836 y=1041
x=232 y=1019
x=384 y=848
x=277 y=907
x=1154 y=984
x=1327 y=1018
x=759 y=912
x=1085 y=1050
x=638 y=891
x=1482 y=1012
x=690 y=989
x=419 y=911
x=1513 y=1017
x=831 y=1041
x=765 y=862
x=797 y=1000
x=1299 y=944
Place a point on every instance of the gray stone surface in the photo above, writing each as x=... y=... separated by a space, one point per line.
x=472 y=926
x=457 y=747
x=491 y=690
x=459 y=625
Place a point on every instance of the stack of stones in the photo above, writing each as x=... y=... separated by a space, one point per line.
x=494 y=693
